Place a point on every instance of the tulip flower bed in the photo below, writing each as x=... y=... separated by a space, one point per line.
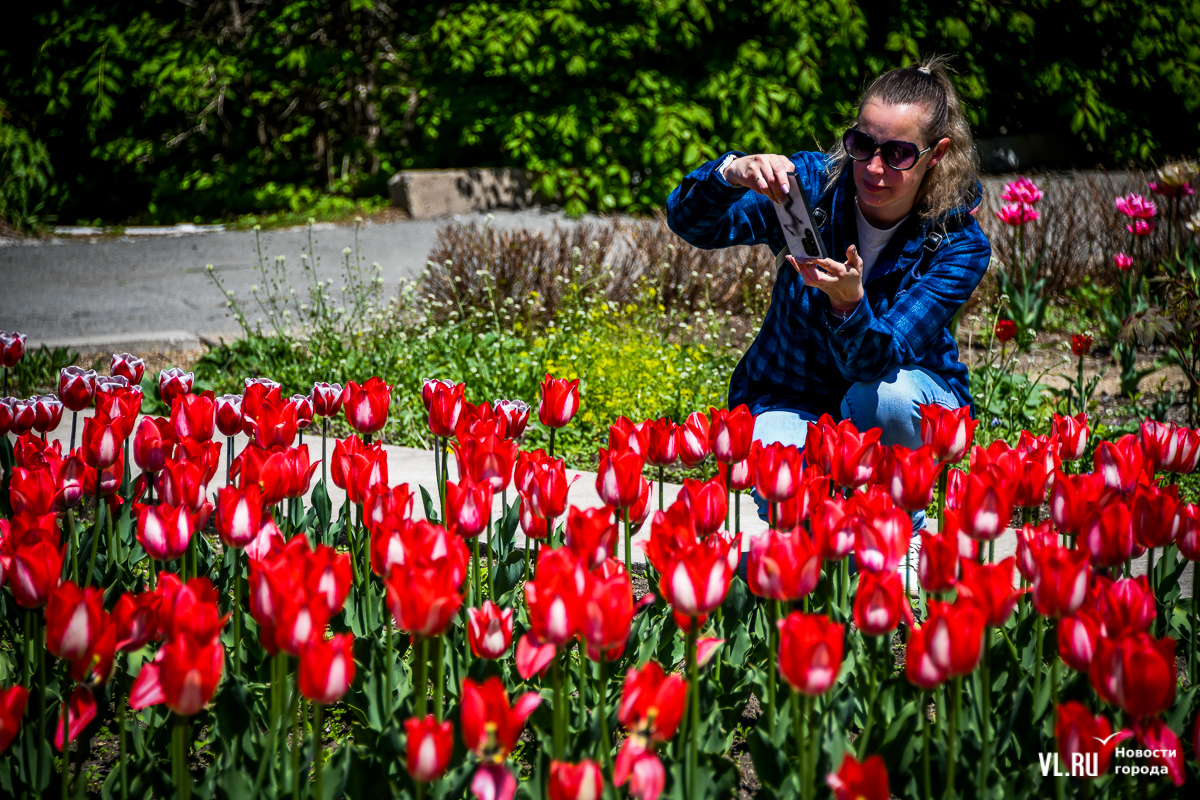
x=463 y=661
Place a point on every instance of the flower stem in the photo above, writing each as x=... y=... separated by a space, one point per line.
x=95 y=539
x=928 y=786
x=602 y=708
x=421 y=684
x=985 y=674
x=941 y=498
x=1037 y=664
x=628 y=542
x=556 y=676
x=65 y=772
x=237 y=611
x=864 y=740
x=801 y=744
x=660 y=487
x=476 y=592
x=318 y=748
x=183 y=788
x=121 y=710
x=694 y=690
x=491 y=579
x=388 y=658
x=439 y=671
x=772 y=658
x=952 y=741
x=74 y=533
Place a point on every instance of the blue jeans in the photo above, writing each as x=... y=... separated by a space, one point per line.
x=891 y=404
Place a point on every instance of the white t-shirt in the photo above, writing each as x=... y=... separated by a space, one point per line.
x=871 y=241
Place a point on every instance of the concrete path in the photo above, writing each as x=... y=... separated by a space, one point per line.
x=416 y=468
x=72 y=289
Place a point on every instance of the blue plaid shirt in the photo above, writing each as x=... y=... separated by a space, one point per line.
x=804 y=358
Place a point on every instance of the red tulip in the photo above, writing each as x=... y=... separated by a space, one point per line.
x=153 y=444
x=428 y=749
x=468 y=507
x=609 y=612
x=879 y=603
x=328 y=576
x=102 y=438
x=1006 y=329
x=490 y=726
x=1073 y=498
x=1121 y=463
x=383 y=503
x=1188 y=537
x=172 y=383
x=591 y=535
x=304 y=411
x=641 y=768
x=834 y=530
x=81 y=710
x=639 y=512
x=910 y=477
x=1072 y=435
x=692 y=439
x=1168 y=447
x=1030 y=540
x=937 y=563
x=947 y=431
x=12 y=710
x=855 y=781
x=882 y=540
x=625 y=434
x=559 y=401
x=731 y=434
x=238 y=515
x=22 y=416
x=853 y=454
x=549 y=486
x=6 y=414
x=810 y=652
x=1060 y=584
x=1040 y=463
x=12 y=347
x=1108 y=535
x=556 y=598
x=783 y=566
x=127 y=366
x=778 y=472
x=326 y=399
x=136 y=617
x=327 y=667
x=35 y=573
x=533 y=526
x=708 y=501
x=300 y=616
x=1154 y=516
x=489 y=630
x=652 y=702
x=182 y=484
x=515 y=414
x=193 y=415
x=927 y=655
x=1163 y=745
x=366 y=406
x=76 y=387
x=274 y=422
x=741 y=474
x=184 y=675
x=1079 y=734
x=986 y=504
x=960 y=625
x=1124 y=606
x=1077 y=636
x=618 y=477
x=990 y=586
x=357 y=468
x=1136 y=673
x=663 y=448
x=423 y=600
x=164 y=531
x=487 y=459
x=697 y=581
x=75 y=618
x=445 y=406
x=47 y=412
x=582 y=781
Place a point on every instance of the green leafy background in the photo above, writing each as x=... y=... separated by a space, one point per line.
x=169 y=110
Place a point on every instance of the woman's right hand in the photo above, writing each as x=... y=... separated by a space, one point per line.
x=766 y=173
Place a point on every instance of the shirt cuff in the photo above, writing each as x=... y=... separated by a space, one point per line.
x=724 y=165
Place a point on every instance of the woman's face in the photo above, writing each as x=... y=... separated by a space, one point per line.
x=886 y=195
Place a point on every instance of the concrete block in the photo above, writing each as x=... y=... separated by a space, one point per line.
x=426 y=193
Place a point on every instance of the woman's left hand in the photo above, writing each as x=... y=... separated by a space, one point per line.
x=842 y=282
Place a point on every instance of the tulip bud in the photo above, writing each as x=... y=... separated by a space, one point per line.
x=173 y=383
x=582 y=781
x=47 y=412
x=867 y=780
x=559 y=401
x=326 y=399
x=76 y=387
x=810 y=652
x=12 y=347
x=366 y=406
x=489 y=630
x=515 y=414
x=127 y=366
x=12 y=711
x=429 y=747
x=327 y=667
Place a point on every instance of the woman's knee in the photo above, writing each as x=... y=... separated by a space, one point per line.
x=893 y=404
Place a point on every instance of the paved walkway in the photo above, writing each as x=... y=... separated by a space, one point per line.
x=70 y=289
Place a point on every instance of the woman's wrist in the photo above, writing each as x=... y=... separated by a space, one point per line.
x=844 y=307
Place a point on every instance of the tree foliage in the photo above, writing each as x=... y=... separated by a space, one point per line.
x=161 y=110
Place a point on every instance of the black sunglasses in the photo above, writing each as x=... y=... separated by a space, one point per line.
x=896 y=154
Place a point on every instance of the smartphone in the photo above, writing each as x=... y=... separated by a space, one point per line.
x=796 y=216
